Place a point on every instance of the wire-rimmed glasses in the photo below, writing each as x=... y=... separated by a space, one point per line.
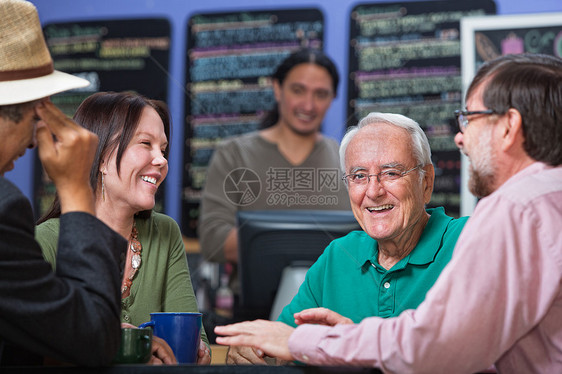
x=385 y=176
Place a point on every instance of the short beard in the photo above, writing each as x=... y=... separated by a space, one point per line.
x=480 y=184
x=482 y=165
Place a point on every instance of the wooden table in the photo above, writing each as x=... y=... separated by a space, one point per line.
x=219 y=354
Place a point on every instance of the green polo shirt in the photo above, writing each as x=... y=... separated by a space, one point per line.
x=347 y=278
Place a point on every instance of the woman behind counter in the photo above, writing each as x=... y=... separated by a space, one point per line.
x=130 y=164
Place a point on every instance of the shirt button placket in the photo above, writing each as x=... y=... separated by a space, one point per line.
x=386 y=298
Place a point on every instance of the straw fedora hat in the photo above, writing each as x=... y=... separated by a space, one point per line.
x=26 y=67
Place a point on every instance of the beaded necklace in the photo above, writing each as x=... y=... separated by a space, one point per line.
x=136 y=248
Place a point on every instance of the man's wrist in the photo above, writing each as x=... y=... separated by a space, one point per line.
x=77 y=200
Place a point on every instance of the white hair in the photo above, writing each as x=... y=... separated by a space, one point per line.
x=420 y=144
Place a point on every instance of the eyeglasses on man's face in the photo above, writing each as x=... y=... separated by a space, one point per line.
x=462 y=116
x=384 y=177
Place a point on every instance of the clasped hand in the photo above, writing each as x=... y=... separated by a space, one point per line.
x=251 y=341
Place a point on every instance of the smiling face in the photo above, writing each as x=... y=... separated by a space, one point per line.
x=143 y=167
x=393 y=212
x=17 y=137
x=303 y=98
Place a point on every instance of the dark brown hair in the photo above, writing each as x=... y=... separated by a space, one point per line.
x=532 y=84
x=114 y=118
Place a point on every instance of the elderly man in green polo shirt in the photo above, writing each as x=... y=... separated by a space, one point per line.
x=390 y=265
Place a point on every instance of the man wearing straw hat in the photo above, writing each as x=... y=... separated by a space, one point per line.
x=71 y=315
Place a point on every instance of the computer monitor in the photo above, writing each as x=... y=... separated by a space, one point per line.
x=274 y=240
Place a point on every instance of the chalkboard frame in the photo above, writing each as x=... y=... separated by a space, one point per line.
x=150 y=80
x=469 y=65
x=417 y=8
x=191 y=190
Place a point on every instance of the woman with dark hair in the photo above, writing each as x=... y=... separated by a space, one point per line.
x=292 y=163
x=129 y=166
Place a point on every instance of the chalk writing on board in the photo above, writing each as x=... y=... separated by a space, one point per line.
x=116 y=55
x=231 y=57
x=490 y=44
x=404 y=58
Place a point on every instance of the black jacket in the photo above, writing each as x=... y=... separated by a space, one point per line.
x=72 y=315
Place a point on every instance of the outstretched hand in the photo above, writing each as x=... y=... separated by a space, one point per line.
x=66 y=151
x=321 y=316
x=272 y=338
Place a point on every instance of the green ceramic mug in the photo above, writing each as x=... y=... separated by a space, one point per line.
x=136 y=346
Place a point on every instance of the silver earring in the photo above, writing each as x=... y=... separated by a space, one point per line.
x=102 y=188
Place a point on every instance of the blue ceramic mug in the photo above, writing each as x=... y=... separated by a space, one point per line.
x=182 y=332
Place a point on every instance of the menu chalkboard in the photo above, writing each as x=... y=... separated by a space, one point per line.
x=231 y=57
x=404 y=58
x=116 y=55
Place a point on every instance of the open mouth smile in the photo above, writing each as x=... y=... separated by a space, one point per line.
x=148 y=179
x=380 y=208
